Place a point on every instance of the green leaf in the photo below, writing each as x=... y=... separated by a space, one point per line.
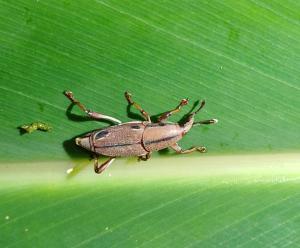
x=248 y=201
x=242 y=57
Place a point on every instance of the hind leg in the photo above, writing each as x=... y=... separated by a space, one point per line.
x=90 y=113
x=137 y=106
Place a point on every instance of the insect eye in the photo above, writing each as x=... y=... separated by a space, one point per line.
x=101 y=134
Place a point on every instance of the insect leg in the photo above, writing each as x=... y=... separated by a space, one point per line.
x=178 y=149
x=167 y=114
x=137 y=106
x=90 y=113
x=144 y=157
x=100 y=168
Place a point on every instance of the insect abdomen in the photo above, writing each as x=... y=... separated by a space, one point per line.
x=158 y=136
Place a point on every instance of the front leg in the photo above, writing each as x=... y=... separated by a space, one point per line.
x=90 y=113
x=167 y=114
x=178 y=149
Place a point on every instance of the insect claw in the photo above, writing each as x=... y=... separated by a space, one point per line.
x=69 y=94
x=184 y=101
x=202 y=149
x=128 y=97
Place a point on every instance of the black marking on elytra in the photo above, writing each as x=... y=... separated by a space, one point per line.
x=101 y=134
x=135 y=127
x=160 y=140
x=117 y=145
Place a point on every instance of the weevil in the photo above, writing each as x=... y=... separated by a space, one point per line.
x=136 y=138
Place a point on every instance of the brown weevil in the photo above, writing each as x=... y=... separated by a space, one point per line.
x=137 y=138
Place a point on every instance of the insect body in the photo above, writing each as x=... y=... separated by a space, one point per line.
x=138 y=138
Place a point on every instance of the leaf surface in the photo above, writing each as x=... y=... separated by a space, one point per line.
x=242 y=57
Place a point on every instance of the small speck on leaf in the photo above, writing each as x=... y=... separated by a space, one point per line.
x=29 y=128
